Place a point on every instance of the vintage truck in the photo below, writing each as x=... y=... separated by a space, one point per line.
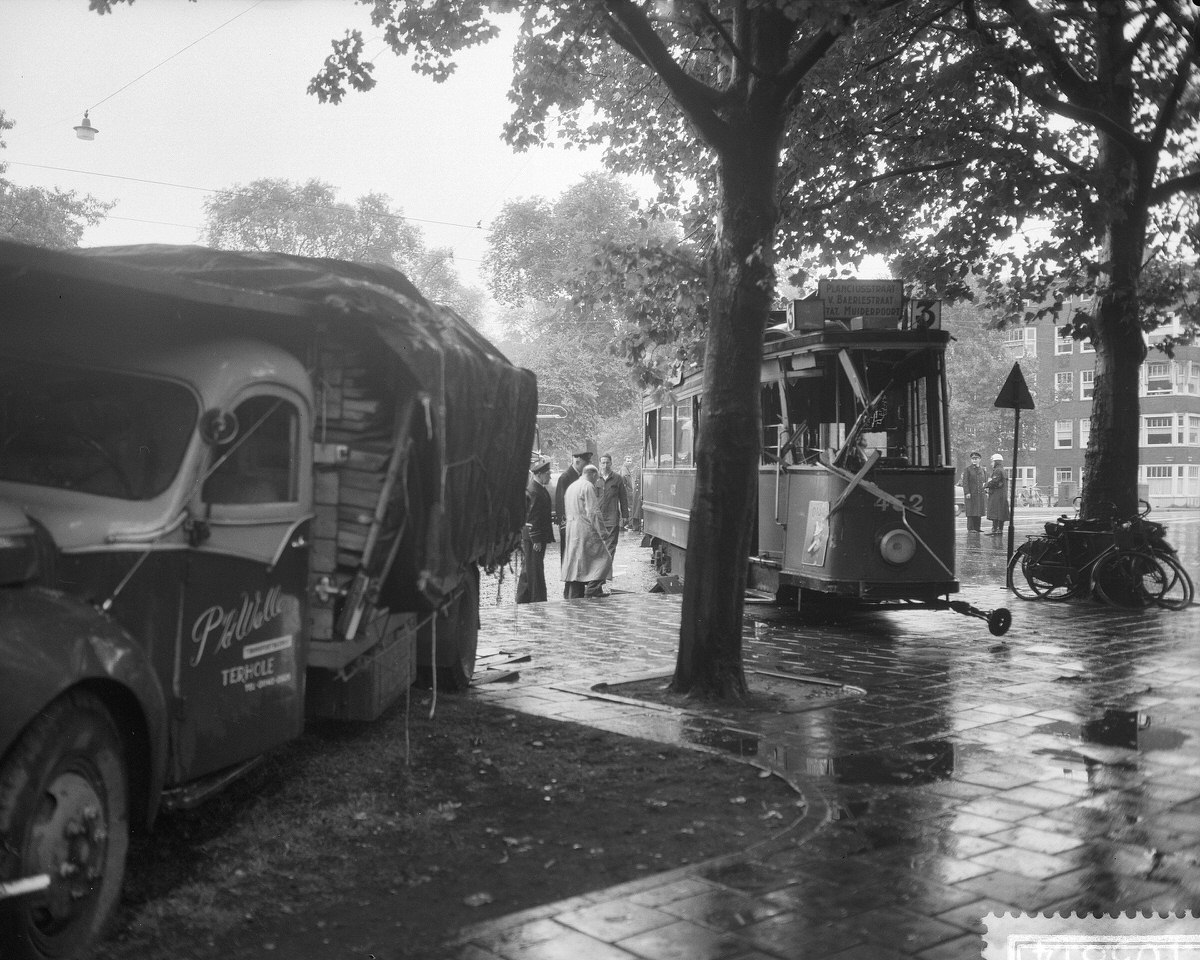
x=236 y=490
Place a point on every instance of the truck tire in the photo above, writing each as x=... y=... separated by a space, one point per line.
x=64 y=810
x=457 y=638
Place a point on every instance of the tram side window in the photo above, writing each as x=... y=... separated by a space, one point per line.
x=803 y=413
x=650 y=440
x=683 y=435
x=772 y=418
x=666 y=436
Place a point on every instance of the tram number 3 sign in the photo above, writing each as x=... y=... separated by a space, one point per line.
x=924 y=315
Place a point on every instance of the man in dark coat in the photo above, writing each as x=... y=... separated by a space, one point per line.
x=565 y=479
x=972 y=481
x=537 y=532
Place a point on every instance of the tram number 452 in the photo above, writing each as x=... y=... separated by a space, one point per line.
x=912 y=501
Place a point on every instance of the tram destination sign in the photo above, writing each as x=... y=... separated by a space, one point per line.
x=873 y=300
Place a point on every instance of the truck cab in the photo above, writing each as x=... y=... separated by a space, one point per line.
x=224 y=508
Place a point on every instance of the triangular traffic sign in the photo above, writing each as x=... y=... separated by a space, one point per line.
x=1015 y=394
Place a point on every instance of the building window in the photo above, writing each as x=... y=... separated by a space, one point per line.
x=1193 y=430
x=1085 y=431
x=1085 y=346
x=1063 y=430
x=1158 y=431
x=1158 y=478
x=1064 y=385
x=1193 y=377
x=1191 y=486
x=1087 y=382
x=1021 y=342
x=1063 y=345
x=1158 y=378
x=1063 y=475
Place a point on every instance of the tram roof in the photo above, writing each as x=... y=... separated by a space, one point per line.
x=834 y=338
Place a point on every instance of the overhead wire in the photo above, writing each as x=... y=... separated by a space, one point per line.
x=242 y=193
x=175 y=54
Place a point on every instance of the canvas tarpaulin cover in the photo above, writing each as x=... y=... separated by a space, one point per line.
x=480 y=409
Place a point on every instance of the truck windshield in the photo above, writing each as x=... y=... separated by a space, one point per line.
x=94 y=431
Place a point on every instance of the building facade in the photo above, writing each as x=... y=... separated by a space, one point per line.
x=1060 y=373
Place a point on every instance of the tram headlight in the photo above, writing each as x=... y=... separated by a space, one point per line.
x=897 y=547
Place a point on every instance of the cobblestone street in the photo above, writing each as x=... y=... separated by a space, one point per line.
x=957 y=774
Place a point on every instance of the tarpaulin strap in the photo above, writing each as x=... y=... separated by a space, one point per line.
x=433 y=664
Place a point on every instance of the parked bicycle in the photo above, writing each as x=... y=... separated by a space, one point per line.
x=1124 y=562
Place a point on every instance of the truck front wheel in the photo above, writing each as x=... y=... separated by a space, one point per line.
x=64 y=812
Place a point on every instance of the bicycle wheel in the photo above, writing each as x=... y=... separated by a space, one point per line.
x=1018 y=578
x=1128 y=578
x=1179 y=590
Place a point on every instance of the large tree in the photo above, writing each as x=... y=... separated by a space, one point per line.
x=308 y=219
x=46 y=217
x=1050 y=151
x=658 y=79
x=1122 y=77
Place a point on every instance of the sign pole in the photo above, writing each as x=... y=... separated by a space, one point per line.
x=1012 y=481
x=1015 y=395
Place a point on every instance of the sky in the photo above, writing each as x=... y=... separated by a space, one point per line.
x=193 y=97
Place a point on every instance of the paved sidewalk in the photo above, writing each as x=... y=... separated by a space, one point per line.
x=1054 y=769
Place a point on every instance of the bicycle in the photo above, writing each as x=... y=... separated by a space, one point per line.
x=1126 y=563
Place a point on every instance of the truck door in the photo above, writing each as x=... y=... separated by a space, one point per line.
x=240 y=666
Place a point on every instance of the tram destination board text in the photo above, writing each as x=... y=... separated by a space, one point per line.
x=845 y=299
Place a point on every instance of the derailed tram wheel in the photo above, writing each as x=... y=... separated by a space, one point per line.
x=64 y=811
x=998 y=621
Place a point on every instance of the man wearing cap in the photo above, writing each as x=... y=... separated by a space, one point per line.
x=997 y=495
x=565 y=479
x=971 y=481
x=537 y=532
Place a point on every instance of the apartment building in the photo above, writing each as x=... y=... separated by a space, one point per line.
x=1063 y=371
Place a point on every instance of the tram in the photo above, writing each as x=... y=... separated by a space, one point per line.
x=856 y=489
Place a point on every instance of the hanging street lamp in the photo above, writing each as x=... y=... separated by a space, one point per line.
x=85 y=130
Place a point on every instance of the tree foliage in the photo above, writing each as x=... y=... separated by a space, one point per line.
x=545 y=262
x=307 y=219
x=1050 y=151
x=46 y=217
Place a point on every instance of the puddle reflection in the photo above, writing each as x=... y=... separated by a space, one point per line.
x=909 y=764
x=1128 y=729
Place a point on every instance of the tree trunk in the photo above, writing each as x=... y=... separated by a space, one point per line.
x=709 y=663
x=1110 y=465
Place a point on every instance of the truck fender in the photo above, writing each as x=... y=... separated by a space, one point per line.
x=51 y=643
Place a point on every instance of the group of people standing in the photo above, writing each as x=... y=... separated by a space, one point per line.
x=985 y=494
x=591 y=506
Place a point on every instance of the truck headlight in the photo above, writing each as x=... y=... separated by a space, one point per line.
x=897 y=547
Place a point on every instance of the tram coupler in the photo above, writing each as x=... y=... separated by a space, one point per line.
x=998 y=620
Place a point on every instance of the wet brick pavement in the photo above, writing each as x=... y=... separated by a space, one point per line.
x=1055 y=769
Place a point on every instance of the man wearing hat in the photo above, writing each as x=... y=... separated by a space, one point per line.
x=565 y=479
x=537 y=532
x=971 y=481
x=997 y=495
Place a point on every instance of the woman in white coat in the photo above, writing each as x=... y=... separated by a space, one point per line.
x=587 y=563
